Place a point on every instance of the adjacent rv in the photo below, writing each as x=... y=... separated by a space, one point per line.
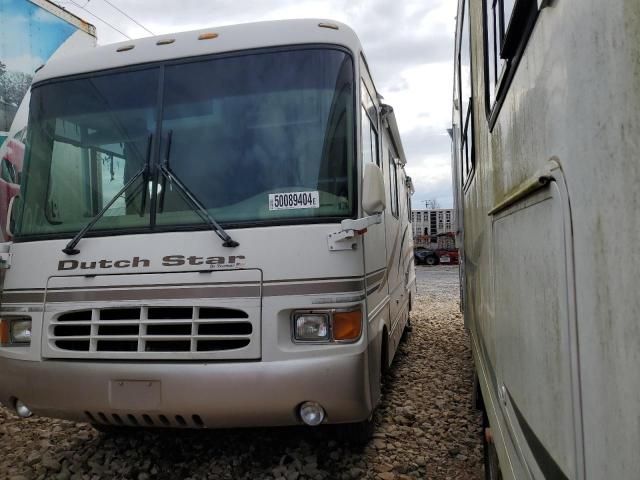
x=212 y=231
x=546 y=119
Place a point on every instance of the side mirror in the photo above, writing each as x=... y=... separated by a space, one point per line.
x=373 y=194
x=10 y=221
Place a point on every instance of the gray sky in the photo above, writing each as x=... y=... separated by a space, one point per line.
x=408 y=43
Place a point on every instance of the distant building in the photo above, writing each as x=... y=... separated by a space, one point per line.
x=434 y=227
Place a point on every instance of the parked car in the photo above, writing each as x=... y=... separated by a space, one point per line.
x=426 y=257
x=10 y=170
x=447 y=256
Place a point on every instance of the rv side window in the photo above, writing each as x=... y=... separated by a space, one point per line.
x=467 y=157
x=508 y=24
x=393 y=185
x=369 y=140
x=368 y=128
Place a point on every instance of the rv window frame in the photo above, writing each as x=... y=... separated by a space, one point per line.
x=365 y=79
x=466 y=175
x=393 y=185
x=154 y=228
x=509 y=40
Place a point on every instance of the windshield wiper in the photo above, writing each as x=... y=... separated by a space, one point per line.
x=70 y=248
x=193 y=200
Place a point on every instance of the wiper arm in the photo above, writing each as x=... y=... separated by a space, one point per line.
x=193 y=200
x=199 y=208
x=70 y=248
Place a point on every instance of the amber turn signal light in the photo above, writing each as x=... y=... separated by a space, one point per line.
x=347 y=325
x=207 y=36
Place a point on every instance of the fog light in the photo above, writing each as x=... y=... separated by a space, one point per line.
x=22 y=410
x=311 y=413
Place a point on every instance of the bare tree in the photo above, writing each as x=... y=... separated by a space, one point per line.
x=431 y=204
x=14 y=85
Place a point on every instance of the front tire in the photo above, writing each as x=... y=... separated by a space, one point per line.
x=431 y=261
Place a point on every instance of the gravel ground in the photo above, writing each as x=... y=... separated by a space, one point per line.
x=425 y=426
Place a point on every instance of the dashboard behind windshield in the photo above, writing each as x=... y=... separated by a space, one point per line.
x=264 y=137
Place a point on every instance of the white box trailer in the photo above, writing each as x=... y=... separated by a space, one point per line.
x=122 y=307
x=546 y=118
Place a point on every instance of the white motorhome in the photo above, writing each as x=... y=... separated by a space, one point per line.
x=546 y=117
x=213 y=231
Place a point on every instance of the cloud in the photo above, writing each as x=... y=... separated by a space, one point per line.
x=426 y=100
x=432 y=180
x=420 y=142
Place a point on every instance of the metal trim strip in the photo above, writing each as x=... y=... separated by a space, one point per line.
x=313 y=288
x=186 y=291
x=539 y=180
x=151 y=294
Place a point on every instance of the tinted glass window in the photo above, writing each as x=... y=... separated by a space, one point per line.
x=88 y=138
x=465 y=64
x=466 y=111
x=234 y=132
x=393 y=183
x=243 y=128
x=369 y=140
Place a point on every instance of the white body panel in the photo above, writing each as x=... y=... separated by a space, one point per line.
x=551 y=220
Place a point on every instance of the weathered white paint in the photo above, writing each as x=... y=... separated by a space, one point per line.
x=550 y=283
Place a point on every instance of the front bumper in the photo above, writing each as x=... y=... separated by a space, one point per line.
x=181 y=394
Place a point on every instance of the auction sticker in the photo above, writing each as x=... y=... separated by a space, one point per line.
x=290 y=200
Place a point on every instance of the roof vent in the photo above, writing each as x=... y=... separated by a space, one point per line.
x=207 y=36
x=332 y=26
x=125 y=48
x=166 y=41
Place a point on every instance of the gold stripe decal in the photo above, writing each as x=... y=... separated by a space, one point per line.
x=152 y=294
x=186 y=291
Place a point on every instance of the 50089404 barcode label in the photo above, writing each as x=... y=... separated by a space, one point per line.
x=290 y=200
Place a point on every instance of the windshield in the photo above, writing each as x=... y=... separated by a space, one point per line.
x=257 y=138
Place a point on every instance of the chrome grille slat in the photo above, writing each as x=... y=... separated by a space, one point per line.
x=154 y=337
x=222 y=330
x=148 y=322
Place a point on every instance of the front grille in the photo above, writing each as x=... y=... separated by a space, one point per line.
x=151 y=329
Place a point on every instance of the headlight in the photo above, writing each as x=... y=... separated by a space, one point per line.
x=311 y=327
x=327 y=326
x=15 y=331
